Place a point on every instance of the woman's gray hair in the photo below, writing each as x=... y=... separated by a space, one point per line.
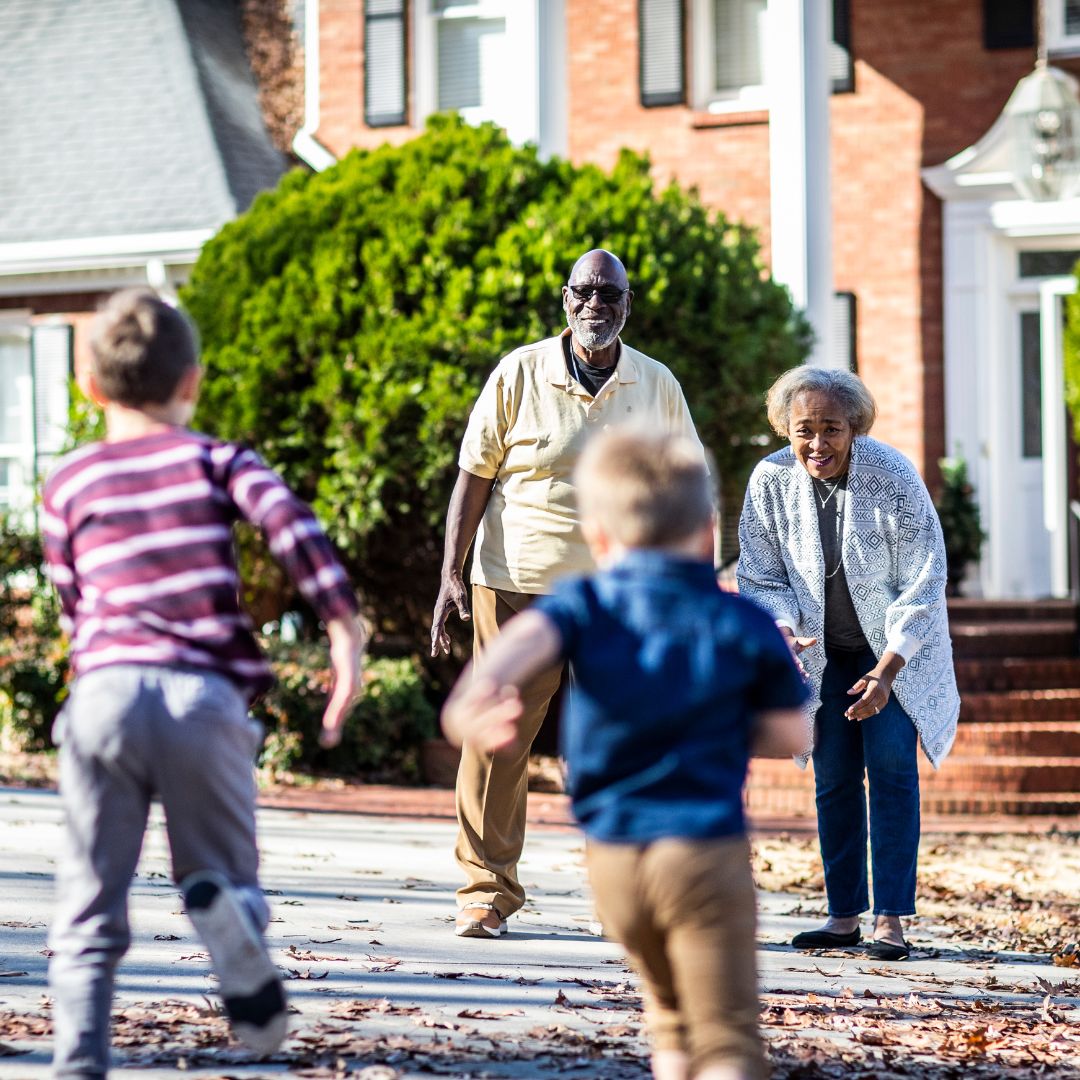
x=843 y=387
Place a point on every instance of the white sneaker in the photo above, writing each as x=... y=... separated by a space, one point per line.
x=250 y=984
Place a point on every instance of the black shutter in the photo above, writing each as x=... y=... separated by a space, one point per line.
x=661 y=68
x=841 y=65
x=384 y=62
x=842 y=346
x=1009 y=24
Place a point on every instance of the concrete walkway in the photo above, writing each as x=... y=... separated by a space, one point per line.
x=381 y=988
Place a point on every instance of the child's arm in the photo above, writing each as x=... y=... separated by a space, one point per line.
x=347 y=640
x=59 y=563
x=485 y=704
x=778 y=733
x=298 y=542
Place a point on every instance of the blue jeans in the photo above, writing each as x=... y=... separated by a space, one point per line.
x=885 y=748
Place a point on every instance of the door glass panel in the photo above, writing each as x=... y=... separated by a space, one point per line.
x=1047 y=263
x=1031 y=384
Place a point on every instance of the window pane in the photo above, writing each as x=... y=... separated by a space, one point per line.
x=15 y=391
x=470 y=62
x=1072 y=16
x=739 y=37
x=1031 y=384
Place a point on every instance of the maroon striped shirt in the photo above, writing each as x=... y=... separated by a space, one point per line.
x=138 y=542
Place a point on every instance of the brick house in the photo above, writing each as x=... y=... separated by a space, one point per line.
x=913 y=196
x=133 y=131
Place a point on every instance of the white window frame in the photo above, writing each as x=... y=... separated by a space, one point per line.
x=522 y=20
x=17 y=495
x=705 y=93
x=1057 y=41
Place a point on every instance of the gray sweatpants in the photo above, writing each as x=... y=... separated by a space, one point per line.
x=127 y=734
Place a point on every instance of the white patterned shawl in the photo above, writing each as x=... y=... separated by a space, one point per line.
x=894 y=560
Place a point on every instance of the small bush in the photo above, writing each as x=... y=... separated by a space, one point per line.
x=960 y=523
x=33 y=661
x=382 y=736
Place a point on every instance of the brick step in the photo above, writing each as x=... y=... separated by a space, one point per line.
x=963 y=609
x=1001 y=775
x=793 y=802
x=966 y=793
x=1023 y=638
x=1023 y=739
x=1060 y=705
x=1016 y=673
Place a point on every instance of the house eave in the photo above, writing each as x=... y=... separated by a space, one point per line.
x=95 y=264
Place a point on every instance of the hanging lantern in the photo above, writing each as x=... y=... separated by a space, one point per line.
x=1043 y=115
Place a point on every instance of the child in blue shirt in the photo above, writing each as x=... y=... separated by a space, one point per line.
x=675 y=684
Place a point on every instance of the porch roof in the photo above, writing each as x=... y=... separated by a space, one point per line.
x=126 y=117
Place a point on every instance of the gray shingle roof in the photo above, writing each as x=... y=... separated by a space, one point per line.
x=126 y=116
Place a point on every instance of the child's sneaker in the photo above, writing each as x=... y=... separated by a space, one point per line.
x=250 y=985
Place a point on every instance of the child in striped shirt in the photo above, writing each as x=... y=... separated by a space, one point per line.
x=138 y=542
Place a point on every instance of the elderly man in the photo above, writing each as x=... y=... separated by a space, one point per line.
x=514 y=493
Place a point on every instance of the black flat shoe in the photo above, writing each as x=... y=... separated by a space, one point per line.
x=824 y=939
x=886 y=950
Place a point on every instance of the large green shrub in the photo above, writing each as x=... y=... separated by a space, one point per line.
x=349 y=319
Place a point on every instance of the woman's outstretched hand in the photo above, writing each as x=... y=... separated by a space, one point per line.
x=875 y=688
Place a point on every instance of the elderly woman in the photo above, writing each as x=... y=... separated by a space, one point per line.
x=841 y=544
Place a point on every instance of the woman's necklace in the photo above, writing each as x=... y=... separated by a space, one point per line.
x=839 y=521
x=832 y=490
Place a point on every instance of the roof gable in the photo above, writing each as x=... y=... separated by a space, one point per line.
x=126 y=117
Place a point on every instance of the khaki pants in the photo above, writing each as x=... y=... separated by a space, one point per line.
x=684 y=910
x=491 y=791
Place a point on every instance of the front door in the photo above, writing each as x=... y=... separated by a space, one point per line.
x=1033 y=447
x=1024 y=550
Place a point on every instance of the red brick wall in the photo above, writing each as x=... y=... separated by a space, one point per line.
x=925 y=89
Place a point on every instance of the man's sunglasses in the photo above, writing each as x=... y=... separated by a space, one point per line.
x=608 y=293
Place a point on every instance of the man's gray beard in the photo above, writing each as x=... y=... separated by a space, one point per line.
x=591 y=339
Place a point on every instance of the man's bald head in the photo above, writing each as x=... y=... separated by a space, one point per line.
x=599 y=267
x=597 y=301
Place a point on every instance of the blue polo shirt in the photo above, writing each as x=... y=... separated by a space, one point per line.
x=668 y=673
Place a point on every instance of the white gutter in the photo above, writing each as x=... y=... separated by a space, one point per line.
x=100 y=252
x=306 y=147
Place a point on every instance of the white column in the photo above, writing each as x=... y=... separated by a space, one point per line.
x=1054 y=436
x=796 y=57
x=523 y=51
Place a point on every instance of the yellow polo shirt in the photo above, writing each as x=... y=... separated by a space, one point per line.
x=526 y=430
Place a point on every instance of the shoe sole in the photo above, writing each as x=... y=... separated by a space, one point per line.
x=821 y=939
x=477 y=929
x=249 y=983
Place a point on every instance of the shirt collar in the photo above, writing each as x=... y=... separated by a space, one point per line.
x=555 y=364
x=658 y=561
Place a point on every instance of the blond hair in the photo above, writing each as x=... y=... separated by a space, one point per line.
x=845 y=388
x=644 y=490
